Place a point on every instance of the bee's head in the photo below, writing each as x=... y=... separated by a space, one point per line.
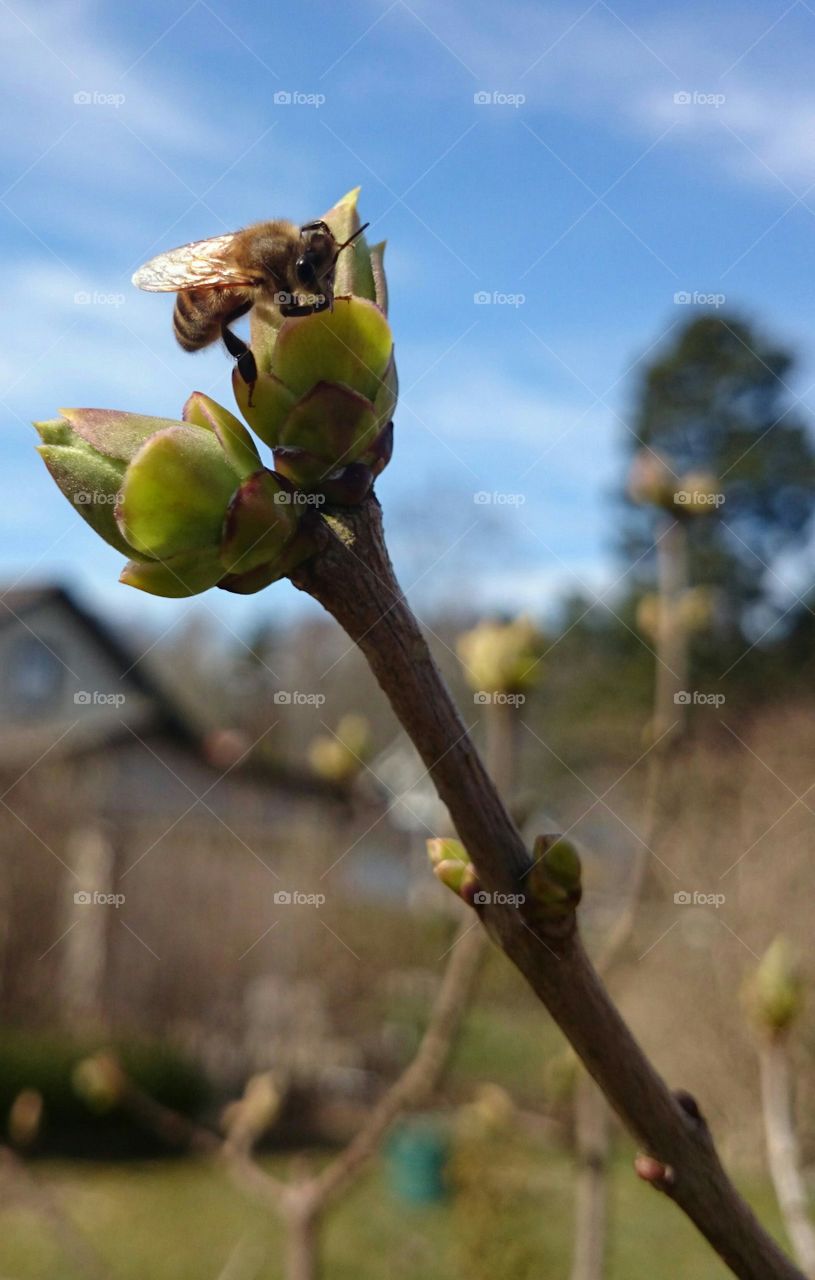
x=315 y=265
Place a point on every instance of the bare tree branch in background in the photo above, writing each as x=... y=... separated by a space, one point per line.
x=668 y=723
x=32 y=1192
x=774 y=999
x=302 y=1203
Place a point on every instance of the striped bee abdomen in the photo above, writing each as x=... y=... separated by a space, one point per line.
x=200 y=315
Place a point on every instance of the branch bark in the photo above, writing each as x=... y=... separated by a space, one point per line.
x=352 y=577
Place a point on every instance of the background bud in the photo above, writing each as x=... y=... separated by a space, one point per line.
x=502 y=657
x=774 y=994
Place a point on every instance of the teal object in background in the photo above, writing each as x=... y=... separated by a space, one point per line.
x=416 y=1162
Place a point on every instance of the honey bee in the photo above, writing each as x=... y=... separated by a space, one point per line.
x=221 y=279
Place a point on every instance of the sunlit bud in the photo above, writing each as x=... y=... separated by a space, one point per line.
x=502 y=657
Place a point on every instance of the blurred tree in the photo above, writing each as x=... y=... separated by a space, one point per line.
x=718 y=400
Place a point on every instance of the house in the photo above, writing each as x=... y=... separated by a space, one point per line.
x=150 y=856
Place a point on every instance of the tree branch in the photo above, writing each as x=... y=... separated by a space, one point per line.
x=351 y=576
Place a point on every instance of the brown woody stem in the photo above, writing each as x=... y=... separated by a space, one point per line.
x=352 y=577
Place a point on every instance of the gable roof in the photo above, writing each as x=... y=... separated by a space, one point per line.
x=176 y=719
x=169 y=714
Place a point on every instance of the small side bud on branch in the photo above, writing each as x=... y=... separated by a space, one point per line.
x=554 y=882
x=659 y=1175
x=451 y=864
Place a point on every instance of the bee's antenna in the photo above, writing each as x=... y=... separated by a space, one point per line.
x=350 y=240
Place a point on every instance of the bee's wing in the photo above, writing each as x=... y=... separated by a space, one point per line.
x=200 y=265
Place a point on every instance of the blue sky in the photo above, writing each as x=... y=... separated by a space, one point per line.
x=625 y=153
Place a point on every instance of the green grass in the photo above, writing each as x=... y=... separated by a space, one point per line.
x=178 y=1220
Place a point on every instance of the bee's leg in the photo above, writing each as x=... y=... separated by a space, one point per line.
x=236 y=347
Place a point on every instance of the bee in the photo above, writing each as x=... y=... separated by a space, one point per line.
x=221 y=279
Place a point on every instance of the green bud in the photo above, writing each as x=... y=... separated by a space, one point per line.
x=188 y=501
x=234 y=439
x=175 y=493
x=774 y=994
x=451 y=864
x=554 y=881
